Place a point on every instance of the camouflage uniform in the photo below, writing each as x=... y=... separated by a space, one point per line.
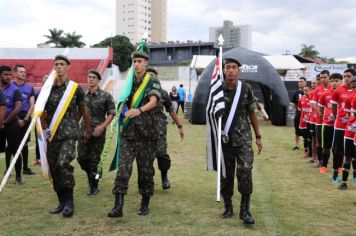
x=100 y=104
x=164 y=162
x=139 y=141
x=61 y=150
x=238 y=152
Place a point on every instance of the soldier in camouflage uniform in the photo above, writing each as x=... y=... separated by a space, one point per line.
x=163 y=160
x=61 y=150
x=237 y=144
x=138 y=141
x=102 y=111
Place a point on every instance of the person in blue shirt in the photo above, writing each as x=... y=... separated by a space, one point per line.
x=181 y=93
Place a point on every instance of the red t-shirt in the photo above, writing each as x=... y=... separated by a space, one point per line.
x=339 y=98
x=304 y=107
x=350 y=127
x=313 y=113
x=319 y=90
x=324 y=102
x=353 y=110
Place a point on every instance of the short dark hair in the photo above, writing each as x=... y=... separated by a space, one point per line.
x=318 y=76
x=336 y=76
x=303 y=78
x=323 y=72
x=181 y=85
x=17 y=67
x=352 y=71
x=4 y=68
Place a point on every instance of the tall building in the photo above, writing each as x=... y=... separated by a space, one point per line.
x=135 y=17
x=234 y=35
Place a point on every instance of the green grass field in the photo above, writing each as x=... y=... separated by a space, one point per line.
x=290 y=197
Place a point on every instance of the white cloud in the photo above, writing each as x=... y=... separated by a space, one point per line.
x=276 y=25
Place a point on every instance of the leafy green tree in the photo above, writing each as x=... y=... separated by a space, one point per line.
x=72 y=40
x=55 y=36
x=309 y=51
x=122 y=50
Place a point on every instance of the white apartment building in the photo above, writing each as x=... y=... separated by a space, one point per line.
x=135 y=17
x=234 y=35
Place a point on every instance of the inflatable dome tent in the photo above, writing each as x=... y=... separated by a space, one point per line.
x=255 y=69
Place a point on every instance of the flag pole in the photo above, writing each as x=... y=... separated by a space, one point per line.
x=13 y=162
x=221 y=43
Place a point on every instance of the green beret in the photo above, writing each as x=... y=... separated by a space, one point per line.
x=231 y=60
x=61 y=57
x=95 y=72
x=152 y=70
x=139 y=54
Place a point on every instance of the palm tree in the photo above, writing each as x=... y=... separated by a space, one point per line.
x=309 y=51
x=72 y=40
x=55 y=37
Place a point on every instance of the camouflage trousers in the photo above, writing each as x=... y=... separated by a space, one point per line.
x=89 y=154
x=59 y=155
x=240 y=159
x=163 y=160
x=144 y=152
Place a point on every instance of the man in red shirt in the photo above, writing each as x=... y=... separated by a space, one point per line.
x=328 y=120
x=349 y=137
x=325 y=84
x=311 y=123
x=304 y=108
x=338 y=100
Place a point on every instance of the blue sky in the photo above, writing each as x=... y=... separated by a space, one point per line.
x=277 y=25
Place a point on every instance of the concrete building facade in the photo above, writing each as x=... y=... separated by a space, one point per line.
x=234 y=35
x=136 y=17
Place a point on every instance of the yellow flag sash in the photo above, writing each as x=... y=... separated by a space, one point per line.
x=62 y=108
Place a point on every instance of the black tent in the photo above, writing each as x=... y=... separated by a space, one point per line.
x=255 y=69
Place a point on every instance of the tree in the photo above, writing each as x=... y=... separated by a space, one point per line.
x=55 y=37
x=72 y=40
x=309 y=51
x=122 y=50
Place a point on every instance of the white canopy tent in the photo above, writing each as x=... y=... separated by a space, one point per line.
x=284 y=63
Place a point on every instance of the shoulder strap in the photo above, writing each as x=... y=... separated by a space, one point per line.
x=62 y=107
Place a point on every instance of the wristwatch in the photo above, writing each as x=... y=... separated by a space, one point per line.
x=258 y=136
x=180 y=126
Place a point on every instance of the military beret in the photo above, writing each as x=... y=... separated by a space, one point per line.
x=152 y=70
x=95 y=72
x=231 y=60
x=61 y=57
x=139 y=54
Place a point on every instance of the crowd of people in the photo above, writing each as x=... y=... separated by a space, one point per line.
x=74 y=118
x=325 y=118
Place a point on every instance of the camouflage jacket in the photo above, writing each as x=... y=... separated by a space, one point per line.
x=240 y=131
x=68 y=127
x=165 y=103
x=144 y=126
x=100 y=104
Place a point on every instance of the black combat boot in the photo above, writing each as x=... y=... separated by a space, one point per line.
x=228 y=209
x=165 y=181
x=93 y=187
x=245 y=214
x=119 y=204
x=145 y=201
x=61 y=201
x=68 y=209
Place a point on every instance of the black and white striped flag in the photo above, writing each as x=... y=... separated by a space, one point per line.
x=214 y=110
